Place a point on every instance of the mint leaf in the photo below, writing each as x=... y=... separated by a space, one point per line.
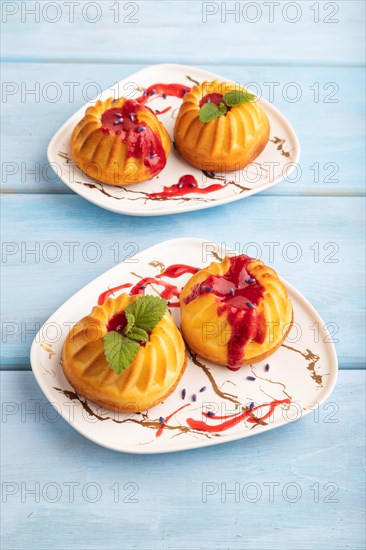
x=210 y=111
x=148 y=311
x=130 y=322
x=119 y=351
x=138 y=334
x=237 y=97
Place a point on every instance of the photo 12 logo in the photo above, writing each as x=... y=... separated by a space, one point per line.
x=68 y=492
x=273 y=252
x=52 y=252
x=70 y=12
x=270 y=12
x=268 y=491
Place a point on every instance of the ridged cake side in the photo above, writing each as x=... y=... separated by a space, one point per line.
x=151 y=377
x=227 y=143
x=104 y=156
x=207 y=327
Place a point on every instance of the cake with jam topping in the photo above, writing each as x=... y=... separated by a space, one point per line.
x=126 y=355
x=120 y=142
x=220 y=127
x=235 y=312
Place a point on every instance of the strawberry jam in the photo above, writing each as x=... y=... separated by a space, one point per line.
x=142 y=142
x=238 y=295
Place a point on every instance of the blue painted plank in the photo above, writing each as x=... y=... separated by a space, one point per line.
x=317 y=463
x=183 y=31
x=328 y=118
x=330 y=273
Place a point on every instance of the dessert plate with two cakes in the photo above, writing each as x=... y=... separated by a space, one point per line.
x=190 y=345
x=187 y=161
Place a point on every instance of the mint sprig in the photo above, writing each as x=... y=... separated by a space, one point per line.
x=142 y=316
x=147 y=310
x=119 y=351
x=138 y=334
x=238 y=97
x=210 y=111
x=130 y=318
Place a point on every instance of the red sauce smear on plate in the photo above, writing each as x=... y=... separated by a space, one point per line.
x=141 y=141
x=233 y=420
x=163 y=90
x=187 y=184
x=161 y=429
x=170 y=291
x=173 y=90
x=162 y=112
x=102 y=298
x=177 y=270
x=238 y=295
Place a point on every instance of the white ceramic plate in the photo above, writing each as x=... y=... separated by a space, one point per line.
x=282 y=149
x=302 y=370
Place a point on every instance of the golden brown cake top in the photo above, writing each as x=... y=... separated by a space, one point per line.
x=149 y=377
x=220 y=127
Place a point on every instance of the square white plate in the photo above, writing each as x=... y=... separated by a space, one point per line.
x=276 y=161
x=303 y=370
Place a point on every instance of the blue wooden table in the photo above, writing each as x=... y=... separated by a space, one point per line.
x=298 y=487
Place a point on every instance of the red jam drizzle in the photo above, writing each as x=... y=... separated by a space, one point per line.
x=212 y=98
x=141 y=141
x=234 y=419
x=173 y=90
x=162 y=112
x=218 y=417
x=162 y=90
x=102 y=298
x=238 y=294
x=177 y=270
x=166 y=419
x=169 y=291
x=187 y=184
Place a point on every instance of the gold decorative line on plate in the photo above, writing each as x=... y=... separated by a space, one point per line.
x=312 y=359
x=214 y=176
x=280 y=143
x=144 y=422
x=48 y=348
x=160 y=265
x=48 y=371
x=65 y=156
x=192 y=80
x=216 y=256
x=142 y=195
x=284 y=389
x=208 y=373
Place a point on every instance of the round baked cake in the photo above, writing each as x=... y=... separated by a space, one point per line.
x=235 y=312
x=230 y=141
x=120 y=142
x=152 y=375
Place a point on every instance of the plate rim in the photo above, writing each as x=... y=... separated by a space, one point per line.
x=190 y=445
x=194 y=206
